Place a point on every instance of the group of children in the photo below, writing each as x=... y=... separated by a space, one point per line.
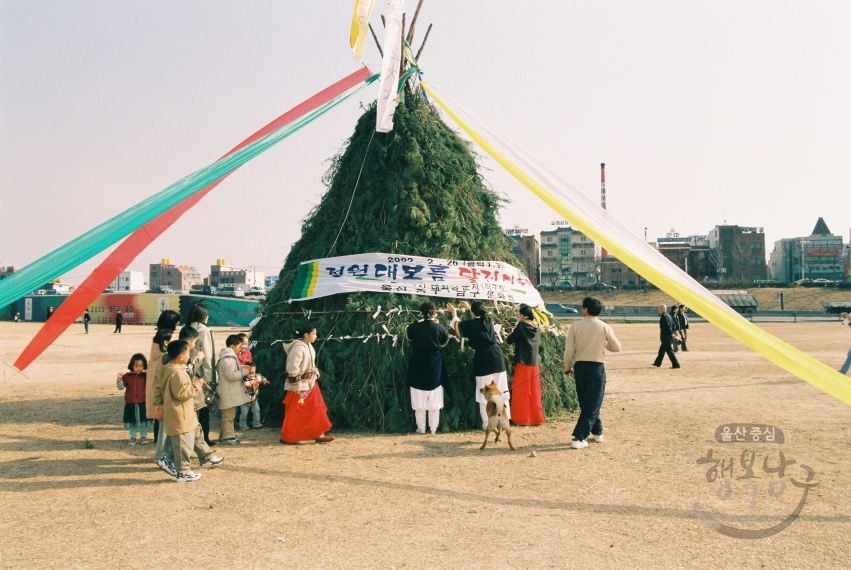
x=176 y=392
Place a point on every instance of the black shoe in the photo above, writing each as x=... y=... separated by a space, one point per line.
x=211 y=443
x=674 y=366
x=656 y=365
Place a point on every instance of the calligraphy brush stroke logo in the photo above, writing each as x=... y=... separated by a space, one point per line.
x=752 y=534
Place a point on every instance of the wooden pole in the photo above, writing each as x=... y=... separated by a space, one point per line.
x=410 y=37
x=428 y=31
x=378 y=45
x=402 y=51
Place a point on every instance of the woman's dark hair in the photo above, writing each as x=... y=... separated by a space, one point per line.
x=168 y=320
x=136 y=357
x=428 y=309
x=304 y=329
x=197 y=314
x=478 y=309
x=188 y=333
x=162 y=337
x=177 y=348
x=233 y=340
x=526 y=311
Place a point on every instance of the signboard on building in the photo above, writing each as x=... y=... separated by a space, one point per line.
x=822 y=252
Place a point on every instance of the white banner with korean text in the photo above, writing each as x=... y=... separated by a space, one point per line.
x=410 y=275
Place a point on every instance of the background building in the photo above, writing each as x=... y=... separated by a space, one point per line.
x=691 y=254
x=130 y=281
x=223 y=275
x=180 y=278
x=615 y=272
x=568 y=258
x=555 y=257
x=818 y=256
x=6 y=271
x=738 y=254
x=527 y=251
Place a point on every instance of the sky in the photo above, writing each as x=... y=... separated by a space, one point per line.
x=701 y=111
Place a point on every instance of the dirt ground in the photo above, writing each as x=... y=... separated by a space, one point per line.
x=73 y=494
x=796 y=298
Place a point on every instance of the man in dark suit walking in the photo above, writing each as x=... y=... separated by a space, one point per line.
x=667 y=335
x=119 y=319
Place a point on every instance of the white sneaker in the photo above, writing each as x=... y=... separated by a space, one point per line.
x=188 y=477
x=598 y=438
x=213 y=461
x=576 y=444
x=166 y=466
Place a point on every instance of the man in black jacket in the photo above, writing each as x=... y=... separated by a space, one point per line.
x=676 y=328
x=119 y=318
x=683 y=320
x=666 y=336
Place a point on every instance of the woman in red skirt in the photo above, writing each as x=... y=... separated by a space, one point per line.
x=526 y=408
x=305 y=414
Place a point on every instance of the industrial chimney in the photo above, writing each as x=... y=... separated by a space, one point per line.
x=604 y=254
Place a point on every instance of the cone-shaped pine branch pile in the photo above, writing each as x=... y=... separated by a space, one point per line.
x=418 y=193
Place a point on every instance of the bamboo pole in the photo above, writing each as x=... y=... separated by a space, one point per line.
x=425 y=39
x=378 y=45
x=402 y=51
x=410 y=37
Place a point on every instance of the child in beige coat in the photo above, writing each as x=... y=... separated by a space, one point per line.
x=179 y=420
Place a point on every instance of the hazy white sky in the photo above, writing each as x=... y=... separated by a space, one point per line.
x=694 y=107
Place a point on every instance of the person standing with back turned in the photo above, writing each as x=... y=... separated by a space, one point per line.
x=585 y=356
x=488 y=364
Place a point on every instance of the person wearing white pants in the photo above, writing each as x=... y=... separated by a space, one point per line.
x=425 y=369
x=488 y=363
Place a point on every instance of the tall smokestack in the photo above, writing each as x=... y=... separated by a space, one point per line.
x=604 y=254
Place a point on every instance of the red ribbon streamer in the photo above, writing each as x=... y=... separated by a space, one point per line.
x=124 y=254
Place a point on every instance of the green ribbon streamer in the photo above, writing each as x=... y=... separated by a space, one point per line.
x=94 y=241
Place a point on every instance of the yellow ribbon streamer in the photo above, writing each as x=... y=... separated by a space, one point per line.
x=780 y=353
x=360 y=25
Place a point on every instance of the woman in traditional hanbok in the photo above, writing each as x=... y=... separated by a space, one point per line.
x=526 y=408
x=305 y=414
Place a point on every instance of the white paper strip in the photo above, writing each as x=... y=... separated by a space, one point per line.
x=390 y=66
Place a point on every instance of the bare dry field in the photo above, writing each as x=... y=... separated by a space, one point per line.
x=796 y=298
x=73 y=494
